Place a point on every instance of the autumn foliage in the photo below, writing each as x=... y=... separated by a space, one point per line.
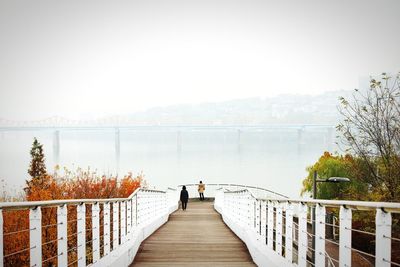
x=71 y=185
x=329 y=165
x=85 y=184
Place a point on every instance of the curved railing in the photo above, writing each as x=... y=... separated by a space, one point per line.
x=97 y=232
x=283 y=232
x=211 y=190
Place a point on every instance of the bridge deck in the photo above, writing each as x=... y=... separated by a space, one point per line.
x=195 y=237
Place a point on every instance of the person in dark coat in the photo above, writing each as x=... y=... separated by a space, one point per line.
x=184 y=197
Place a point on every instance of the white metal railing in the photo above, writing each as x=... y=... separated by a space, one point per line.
x=86 y=231
x=96 y=232
x=283 y=227
x=212 y=189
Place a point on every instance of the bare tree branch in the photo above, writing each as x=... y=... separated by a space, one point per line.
x=370 y=129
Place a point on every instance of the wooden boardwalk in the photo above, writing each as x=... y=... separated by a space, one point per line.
x=195 y=237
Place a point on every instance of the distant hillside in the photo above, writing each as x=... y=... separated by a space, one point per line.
x=282 y=109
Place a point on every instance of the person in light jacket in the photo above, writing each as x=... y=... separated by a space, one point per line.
x=184 y=197
x=201 y=189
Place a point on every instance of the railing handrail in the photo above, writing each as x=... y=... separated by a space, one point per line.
x=241 y=185
x=170 y=188
x=357 y=205
x=393 y=207
x=60 y=202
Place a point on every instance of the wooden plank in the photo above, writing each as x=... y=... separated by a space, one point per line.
x=195 y=237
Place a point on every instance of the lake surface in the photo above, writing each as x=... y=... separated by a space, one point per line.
x=274 y=159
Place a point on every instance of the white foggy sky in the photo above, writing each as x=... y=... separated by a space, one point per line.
x=80 y=58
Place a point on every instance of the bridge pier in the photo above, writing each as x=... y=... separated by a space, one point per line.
x=56 y=147
x=300 y=141
x=329 y=141
x=239 y=140
x=179 y=142
x=117 y=148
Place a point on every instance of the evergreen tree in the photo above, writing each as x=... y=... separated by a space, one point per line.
x=37 y=167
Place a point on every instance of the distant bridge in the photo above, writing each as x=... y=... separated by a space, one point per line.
x=127 y=123
x=167 y=127
x=57 y=126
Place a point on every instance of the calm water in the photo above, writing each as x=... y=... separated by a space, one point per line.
x=275 y=159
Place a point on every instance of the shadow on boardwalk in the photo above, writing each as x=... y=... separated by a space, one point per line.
x=195 y=237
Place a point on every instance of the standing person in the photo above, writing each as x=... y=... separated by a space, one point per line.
x=184 y=197
x=201 y=189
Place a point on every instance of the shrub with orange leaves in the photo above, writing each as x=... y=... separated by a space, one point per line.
x=42 y=186
x=78 y=185
x=129 y=184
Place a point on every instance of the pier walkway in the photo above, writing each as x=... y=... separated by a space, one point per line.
x=195 y=237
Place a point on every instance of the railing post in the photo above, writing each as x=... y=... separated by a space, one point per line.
x=145 y=207
x=303 y=241
x=345 y=237
x=240 y=216
x=258 y=218
x=227 y=205
x=81 y=230
x=279 y=226
x=134 y=209
x=230 y=204
x=62 y=243
x=115 y=225
x=249 y=208
x=163 y=203
x=383 y=236
x=138 y=208
x=263 y=221
x=244 y=210
x=166 y=203
x=129 y=217
x=320 y=235
x=35 y=236
x=106 y=228
x=239 y=204
x=253 y=203
x=270 y=226
x=289 y=233
x=154 y=199
x=123 y=222
x=1 y=239
x=95 y=232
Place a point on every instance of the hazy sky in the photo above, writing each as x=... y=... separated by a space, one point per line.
x=80 y=58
